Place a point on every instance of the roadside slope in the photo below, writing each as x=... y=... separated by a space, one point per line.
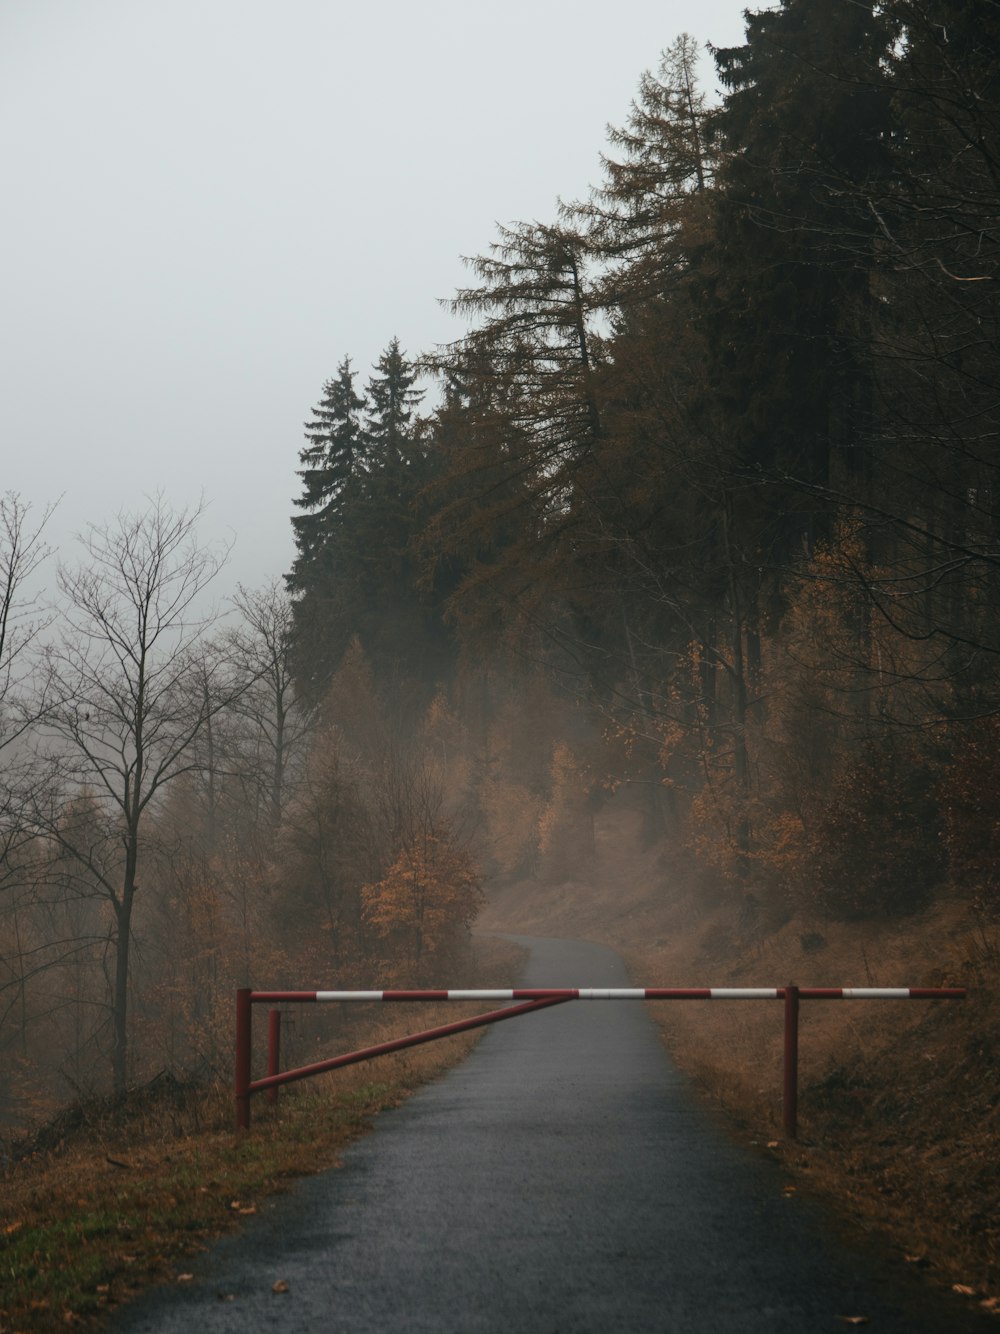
x=900 y=1102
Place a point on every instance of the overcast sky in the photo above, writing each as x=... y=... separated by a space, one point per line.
x=208 y=203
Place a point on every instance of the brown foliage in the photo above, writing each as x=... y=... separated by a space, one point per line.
x=424 y=905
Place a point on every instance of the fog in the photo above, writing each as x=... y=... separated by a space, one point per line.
x=208 y=205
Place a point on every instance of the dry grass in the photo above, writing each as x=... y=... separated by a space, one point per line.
x=110 y=1199
x=899 y=1110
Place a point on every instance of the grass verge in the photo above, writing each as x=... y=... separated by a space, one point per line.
x=86 y=1227
x=899 y=1102
x=115 y=1198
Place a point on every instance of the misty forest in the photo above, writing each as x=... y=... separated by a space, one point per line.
x=692 y=533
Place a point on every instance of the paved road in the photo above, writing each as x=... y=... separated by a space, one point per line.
x=561 y=1181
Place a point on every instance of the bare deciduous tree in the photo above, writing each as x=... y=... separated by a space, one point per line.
x=276 y=717
x=123 y=715
x=22 y=551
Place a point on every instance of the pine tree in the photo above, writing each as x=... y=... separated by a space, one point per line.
x=383 y=520
x=399 y=619
x=320 y=579
x=804 y=131
x=392 y=403
x=331 y=461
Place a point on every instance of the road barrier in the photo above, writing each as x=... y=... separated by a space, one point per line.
x=525 y=1000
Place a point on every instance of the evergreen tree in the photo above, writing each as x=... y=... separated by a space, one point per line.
x=399 y=616
x=332 y=474
x=392 y=403
x=532 y=415
x=804 y=131
x=355 y=574
x=381 y=521
x=332 y=459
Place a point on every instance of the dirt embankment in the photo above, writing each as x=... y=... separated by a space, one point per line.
x=899 y=1113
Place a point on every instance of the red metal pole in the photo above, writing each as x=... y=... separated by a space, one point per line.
x=244 y=1040
x=273 y=1050
x=399 y=1044
x=790 y=1099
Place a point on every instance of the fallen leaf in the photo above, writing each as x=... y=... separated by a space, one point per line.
x=250 y=1209
x=280 y=1286
x=963 y=1289
x=789 y=1190
x=104 y=1287
x=13 y=1227
x=991 y=1304
x=185 y=1278
x=774 y=1143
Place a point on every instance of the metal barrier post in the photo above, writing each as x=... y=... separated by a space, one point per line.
x=273 y=1049
x=790 y=1100
x=244 y=1042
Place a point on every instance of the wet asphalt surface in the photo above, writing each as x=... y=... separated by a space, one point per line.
x=562 y=1180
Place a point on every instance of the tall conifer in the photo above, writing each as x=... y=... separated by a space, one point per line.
x=804 y=130
x=331 y=461
x=392 y=403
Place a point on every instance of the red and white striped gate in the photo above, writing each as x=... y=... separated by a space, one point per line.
x=524 y=1000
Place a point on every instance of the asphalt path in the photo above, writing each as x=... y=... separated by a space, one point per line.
x=562 y=1180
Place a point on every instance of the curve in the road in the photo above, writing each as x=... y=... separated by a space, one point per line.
x=562 y=1180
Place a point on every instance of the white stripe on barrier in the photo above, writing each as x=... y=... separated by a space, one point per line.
x=480 y=995
x=606 y=993
x=744 y=993
x=876 y=993
x=349 y=995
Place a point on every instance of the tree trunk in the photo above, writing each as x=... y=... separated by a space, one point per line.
x=278 y=771
x=119 y=1004
x=741 y=759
